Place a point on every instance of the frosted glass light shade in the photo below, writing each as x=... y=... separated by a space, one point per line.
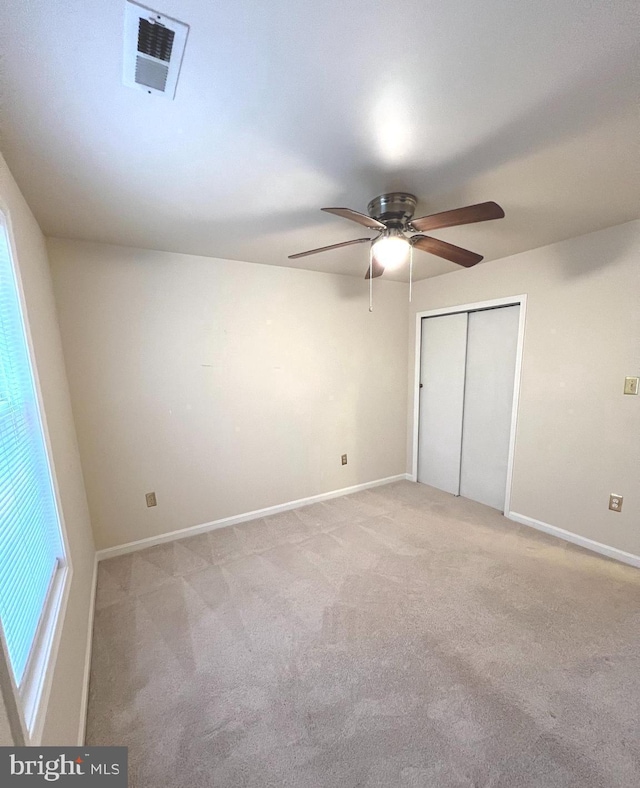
x=391 y=251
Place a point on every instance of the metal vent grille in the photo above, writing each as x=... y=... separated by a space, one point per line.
x=151 y=74
x=154 y=46
x=155 y=40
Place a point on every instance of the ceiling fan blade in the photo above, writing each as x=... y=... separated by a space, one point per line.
x=443 y=249
x=376 y=268
x=355 y=216
x=481 y=212
x=328 y=248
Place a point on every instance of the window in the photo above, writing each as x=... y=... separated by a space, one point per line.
x=32 y=560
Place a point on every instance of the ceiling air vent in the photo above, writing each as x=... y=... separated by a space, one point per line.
x=153 y=49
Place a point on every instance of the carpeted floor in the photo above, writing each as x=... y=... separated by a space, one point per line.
x=395 y=637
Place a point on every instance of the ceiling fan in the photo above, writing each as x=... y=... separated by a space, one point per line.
x=390 y=215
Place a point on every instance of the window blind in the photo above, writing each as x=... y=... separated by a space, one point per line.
x=30 y=543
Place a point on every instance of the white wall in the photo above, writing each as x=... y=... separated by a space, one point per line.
x=224 y=386
x=64 y=710
x=6 y=739
x=578 y=435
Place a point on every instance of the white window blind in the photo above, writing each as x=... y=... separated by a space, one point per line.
x=31 y=549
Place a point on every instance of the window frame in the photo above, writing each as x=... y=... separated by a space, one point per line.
x=27 y=704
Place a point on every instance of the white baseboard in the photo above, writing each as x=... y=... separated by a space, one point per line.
x=582 y=541
x=194 y=530
x=87 y=659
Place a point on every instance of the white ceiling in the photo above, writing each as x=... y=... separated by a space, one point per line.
x=286 y=106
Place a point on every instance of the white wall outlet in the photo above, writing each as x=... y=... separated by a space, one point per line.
x=615 y=502
x=631 y=385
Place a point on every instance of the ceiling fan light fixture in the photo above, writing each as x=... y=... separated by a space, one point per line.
x=391 y=251
x=391 y=216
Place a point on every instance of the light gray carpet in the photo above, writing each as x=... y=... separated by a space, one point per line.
x=395 y=637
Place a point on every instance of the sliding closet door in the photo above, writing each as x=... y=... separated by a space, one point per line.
x=442 y=370
x=488 y=400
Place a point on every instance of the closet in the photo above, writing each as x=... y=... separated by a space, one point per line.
x=467 y=377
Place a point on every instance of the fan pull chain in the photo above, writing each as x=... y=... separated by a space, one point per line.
x=410 y=271
x=371 y=278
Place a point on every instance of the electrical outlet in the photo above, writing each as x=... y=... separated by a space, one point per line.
x=631 y=385
x=344 y=459
x=615 y=502
x=151 y=499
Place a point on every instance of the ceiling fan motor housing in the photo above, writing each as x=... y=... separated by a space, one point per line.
x=395 y=209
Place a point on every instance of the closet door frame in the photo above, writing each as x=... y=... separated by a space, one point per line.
x=518 y=300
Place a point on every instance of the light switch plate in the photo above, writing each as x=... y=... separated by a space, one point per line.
x=631 y=385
